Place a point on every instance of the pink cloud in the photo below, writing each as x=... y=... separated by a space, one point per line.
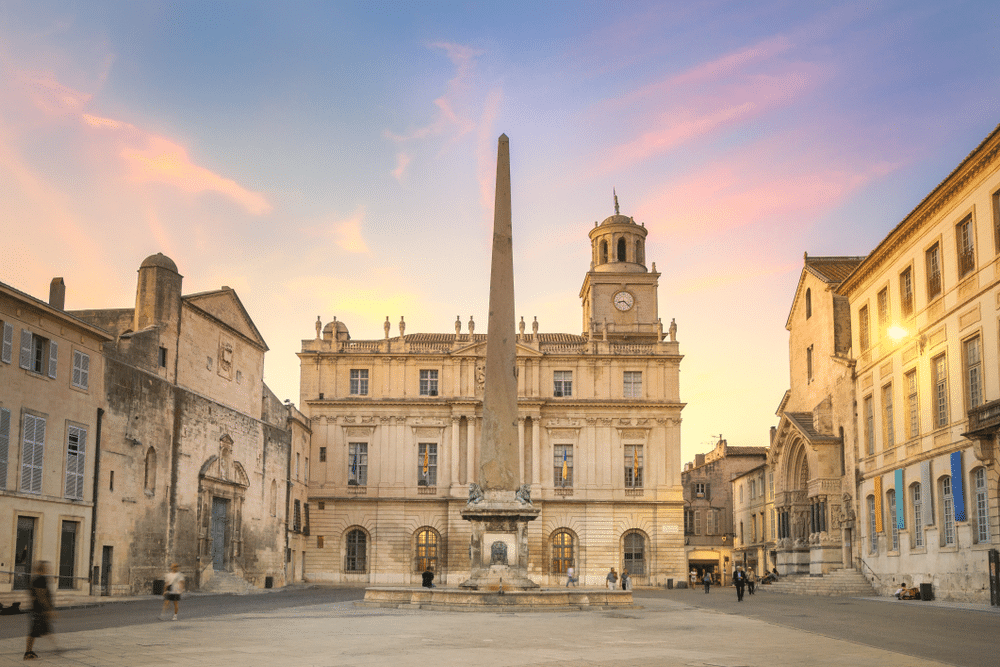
x=753 y=187
x=449 y=119
x=402 y=161
x=164 y=161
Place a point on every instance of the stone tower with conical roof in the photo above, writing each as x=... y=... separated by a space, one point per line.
x=619 y=292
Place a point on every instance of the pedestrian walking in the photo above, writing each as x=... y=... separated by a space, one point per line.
x=751 y=581
x=694 y=577
x=740 y=581
x=173 y=586
x=626 y=581
x=570 y=577
x=427 y=578
x=612 y=579
x=707 y=580
x=42 y=610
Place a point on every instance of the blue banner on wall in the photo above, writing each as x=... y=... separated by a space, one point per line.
x=900 y=500
x=957 y=487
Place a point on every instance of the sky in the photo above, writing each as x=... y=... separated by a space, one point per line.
x=338 y=158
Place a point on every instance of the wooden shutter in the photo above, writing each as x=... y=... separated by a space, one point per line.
x=33 y=440
x=81 y=369
x=4 y=445
x=8 y=343
x=25 y=360
x=76 y=448
x=53 y=358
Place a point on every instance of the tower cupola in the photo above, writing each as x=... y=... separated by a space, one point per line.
x=618 y=244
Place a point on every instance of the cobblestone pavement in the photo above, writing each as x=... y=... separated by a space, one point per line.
x=663 y=632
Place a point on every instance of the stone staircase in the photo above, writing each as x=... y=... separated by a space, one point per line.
x=845 y=583
x=227 y=582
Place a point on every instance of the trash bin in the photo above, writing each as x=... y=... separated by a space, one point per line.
x=670 y=583
x=158 y=585
x=926 y=592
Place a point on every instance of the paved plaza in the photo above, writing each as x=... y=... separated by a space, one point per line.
x=670 y=628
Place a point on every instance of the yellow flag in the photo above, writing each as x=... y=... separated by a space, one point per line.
x=426 y=460
x=878 y=504
x=635 y=463
x=565 y=469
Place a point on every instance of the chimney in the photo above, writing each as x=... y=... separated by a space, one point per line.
x=699 y=460
x=57 y=293
x=774 y=432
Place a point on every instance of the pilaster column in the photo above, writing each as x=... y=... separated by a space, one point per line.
x=470 y=451
x=520 y=448
x=535 y=452
x=453 y=463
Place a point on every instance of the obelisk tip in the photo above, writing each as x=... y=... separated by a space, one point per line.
x=503 y=138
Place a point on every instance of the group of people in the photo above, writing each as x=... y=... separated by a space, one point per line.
x=743 y=580
x=612 y=579
x=43 y=608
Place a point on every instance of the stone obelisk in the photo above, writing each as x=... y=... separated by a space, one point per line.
x=499 y=507
x=498 y=454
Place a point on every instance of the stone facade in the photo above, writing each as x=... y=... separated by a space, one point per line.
x=396 y=427
x=926 y=333
x=810 y=457
x=51 y=395
x=195 y=450
x=708 y=507
x=753 y=520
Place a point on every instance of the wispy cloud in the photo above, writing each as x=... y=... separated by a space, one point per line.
x=450 y=118
x=402 y=162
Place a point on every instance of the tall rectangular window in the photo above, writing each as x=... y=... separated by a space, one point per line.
x=888 y=423
x=322 y=454
x=809 y=363
x=38 y=355
x=869 y=426
x=982 y=506
x=883 y=311
x=906 y=292
x=689 y=522
x=996 y=220
x=633 y=466
x=562 y=383
x=427 y=464
x=562 y=466
x=81 y=369
x=965 y=240
x=912 y=405
x=864 y=334
x=33 y=453
x=918 y=524
x=633 y=384
x=359 y=382
x=947 y=512
x=773 y=524
x=697 y=522
x=428 y=383
x=973 y=372
x=932 y=258
x=939 y=380
x=357 y=462
x=76 y=450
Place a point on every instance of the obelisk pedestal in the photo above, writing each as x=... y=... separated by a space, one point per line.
x=499 y=507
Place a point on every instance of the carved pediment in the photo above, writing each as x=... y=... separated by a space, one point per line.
x=234 y=474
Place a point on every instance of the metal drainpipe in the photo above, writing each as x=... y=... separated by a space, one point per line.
x=93 y=509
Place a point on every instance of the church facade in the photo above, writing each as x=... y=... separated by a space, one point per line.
x=396 y=423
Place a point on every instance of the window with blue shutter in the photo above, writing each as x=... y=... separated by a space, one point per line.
x=25 y=358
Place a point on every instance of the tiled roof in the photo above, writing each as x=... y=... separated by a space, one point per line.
x=804 y=422
x=832 y=269
x=746 y=451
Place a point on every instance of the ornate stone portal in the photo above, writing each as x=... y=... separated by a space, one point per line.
x=499 y=507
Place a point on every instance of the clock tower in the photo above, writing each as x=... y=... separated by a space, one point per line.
x=619 y=293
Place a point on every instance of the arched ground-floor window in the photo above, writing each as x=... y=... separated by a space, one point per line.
x=562 y=552
x=356 y=555
x=635 y=553
x=427 y=550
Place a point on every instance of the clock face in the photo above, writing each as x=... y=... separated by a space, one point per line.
x=623 y=301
